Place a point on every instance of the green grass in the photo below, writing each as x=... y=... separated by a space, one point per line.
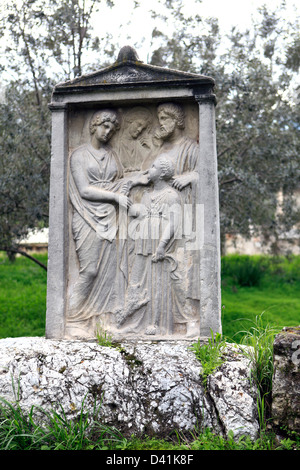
x=22 y=297
x=276 y=295
x=54 y=431
x=210 y=355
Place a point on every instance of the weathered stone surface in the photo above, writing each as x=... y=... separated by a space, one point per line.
x=143 y=387
x=286 y=381
x=233 y=396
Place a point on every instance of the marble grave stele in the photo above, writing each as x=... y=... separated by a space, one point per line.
x=134 y=216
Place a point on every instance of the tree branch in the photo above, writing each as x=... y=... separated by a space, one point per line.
x=232 y=180
x=23 y=253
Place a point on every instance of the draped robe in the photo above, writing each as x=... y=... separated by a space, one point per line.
x=155 y=295
x=95 y=232
x=185 y=154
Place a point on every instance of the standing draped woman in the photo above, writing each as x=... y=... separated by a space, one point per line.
x=95 y=190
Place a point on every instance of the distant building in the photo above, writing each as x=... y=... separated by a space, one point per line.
x=288 y=242
x=37 y=240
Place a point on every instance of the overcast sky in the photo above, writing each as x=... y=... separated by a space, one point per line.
x=123 y=20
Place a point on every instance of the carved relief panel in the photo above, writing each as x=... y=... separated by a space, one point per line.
x=132 y=192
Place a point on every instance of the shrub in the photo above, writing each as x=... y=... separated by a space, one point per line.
x=246 y=271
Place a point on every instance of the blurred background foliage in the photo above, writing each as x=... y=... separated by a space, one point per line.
x=257 y=88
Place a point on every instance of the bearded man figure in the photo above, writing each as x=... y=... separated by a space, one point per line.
x=184 y=153
x=182 y=150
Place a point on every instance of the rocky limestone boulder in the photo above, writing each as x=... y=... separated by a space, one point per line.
x=141 y=388
x=286 y=381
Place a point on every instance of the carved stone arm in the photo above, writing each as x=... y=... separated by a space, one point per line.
x=181 y=181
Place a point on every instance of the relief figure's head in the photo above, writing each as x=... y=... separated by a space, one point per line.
x=137 y=120
x=170 y=118
x=103 y=125
x=162 y=169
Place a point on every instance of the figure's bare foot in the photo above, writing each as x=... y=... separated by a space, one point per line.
x=151 y=330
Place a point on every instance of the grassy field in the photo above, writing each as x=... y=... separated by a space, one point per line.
x=257 y=285
x=22 y=297
x=250 y=286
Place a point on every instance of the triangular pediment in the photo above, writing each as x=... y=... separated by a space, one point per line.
x=129 y=72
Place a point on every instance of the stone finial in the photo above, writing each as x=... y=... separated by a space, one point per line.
x=127 y=53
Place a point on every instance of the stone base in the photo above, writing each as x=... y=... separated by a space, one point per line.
x=142 y=388
x=286 y=381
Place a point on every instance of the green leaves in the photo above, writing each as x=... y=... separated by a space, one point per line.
x=24 y=164
x=257 y=139
x=210 y=355
x=259 y=340
x=258 y=135
x=52 y=430
x=246 y=271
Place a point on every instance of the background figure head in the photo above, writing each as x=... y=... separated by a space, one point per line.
x=137 y=120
